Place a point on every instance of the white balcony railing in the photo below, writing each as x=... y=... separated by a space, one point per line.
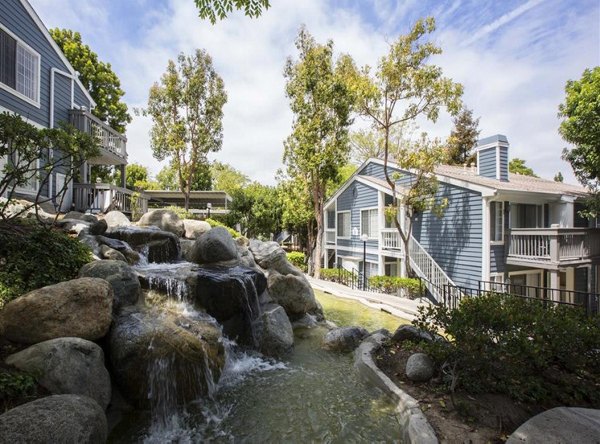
x=390 y=239
x=553 y=246
x=108 y=139
x=102 y=197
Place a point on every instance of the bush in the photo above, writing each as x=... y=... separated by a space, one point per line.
x=216 y=223
x=180 y=212
x=15 y=384
x=32 y=256
x=330 y=274
x=391 y=285
x=519 y=347
x=298 y=259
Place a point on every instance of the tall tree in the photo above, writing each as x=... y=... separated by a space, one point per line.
x=581 y=127
x=98 y=78
x=256 y=208
x=463 y=138
x=187 y=112
x=219 y=9
x=318 y=146
x=517 y=166
x=167 y=178
x=227 y=178
x=405 y=87
x=369 y=143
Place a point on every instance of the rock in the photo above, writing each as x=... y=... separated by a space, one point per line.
x=166 y=220
x=116 y=219
x=99 y=227
x=108 y=253
x=91 y=242
x=25 y=209
x=306 y=321
x=122 y=278
x=230 y=295
x=344 y=339
x=411 y=333
x=74 y=226
x=122 y=247
x=186 y=351
x=294 y=294
x=559 y=425
x=215 y=246
x=195 y=228
x=187 y=249
x=274 y=332
x=270 y=256
x=76 y=215
x=246 y=258
x=160 y=246
x=55 y=419
x=79 y=308
x=67 y=366
x=419 y=367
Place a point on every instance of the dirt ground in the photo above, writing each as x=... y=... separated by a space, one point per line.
x=486 y=418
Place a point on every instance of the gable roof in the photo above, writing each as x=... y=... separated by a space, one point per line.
x=56 y=48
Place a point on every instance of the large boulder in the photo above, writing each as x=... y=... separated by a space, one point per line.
x=246 y=258
x=122 y=278
x=67 y=366
x=79 y=308
x=270 y=256
x=111 y=254
x=419 y=367
x=344 y=339
x=294 y=294
x=216 y=246
x=160 y=246
x=76 y=215
x=195 y=228
x=122 y=247
x=166 y=220
x=559 y=425
x=187 y=249
x=55 y=419
x=159 y=353
x=411 y=333
x=231 y=295
x=116 y=219
x=273 y=331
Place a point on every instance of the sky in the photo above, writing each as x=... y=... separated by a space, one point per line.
x=512 y=57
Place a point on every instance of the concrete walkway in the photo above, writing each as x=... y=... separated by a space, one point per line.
x=401 y=307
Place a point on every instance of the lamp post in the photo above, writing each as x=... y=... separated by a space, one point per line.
x=208 y=207
x=364 y=238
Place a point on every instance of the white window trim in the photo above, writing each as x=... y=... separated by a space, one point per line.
x=360 y=228
x=336 y=224
x=495 y=242
x=14 y=92
x=37 y=183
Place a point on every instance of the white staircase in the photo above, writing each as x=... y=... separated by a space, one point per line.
x=428 y=269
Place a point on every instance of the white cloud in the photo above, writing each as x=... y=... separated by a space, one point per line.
x=513 y=69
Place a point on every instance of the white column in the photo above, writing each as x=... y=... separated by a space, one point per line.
x=485 y=239
x=555 y=285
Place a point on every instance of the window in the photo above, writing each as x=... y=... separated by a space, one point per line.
x=19 y=67
x=527 y=216
x=497 y=222
x=343 y=224
x=371 y=269
x=31 y=186
x=391 y=269
x=330 y=220
x=368 y=223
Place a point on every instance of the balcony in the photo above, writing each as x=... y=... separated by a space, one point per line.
x=552 y=248
x=103 y=197
x=113 y=145
x=390 y=239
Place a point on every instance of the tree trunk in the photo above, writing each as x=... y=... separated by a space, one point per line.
x=318 y=246
x=186 y=199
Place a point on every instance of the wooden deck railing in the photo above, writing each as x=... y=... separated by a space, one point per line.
x=102 y=197
x=109 y=139
x=554 y=246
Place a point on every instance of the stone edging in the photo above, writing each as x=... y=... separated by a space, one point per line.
x=415 y=427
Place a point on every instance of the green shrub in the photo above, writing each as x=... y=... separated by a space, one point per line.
x=518 y=347
x=15 y=384
x=216 y=223
x=32 y=256
x=391 y=285
x=180 y=211
x=330 y=274
x=298 y=259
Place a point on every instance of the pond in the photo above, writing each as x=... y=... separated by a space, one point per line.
x=311 y=396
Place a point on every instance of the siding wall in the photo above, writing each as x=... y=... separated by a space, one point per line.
x=374 y=170
x=15 y=18
x=503 y=164
x=366 y=197
x=487 y=163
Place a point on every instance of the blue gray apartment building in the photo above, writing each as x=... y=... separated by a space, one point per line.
x=498 y=227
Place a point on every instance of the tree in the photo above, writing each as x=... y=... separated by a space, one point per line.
x=321 y=101
x=187 y=112
x=366 y=144
x=296 y=206
x=167 y=178
x=218 y=9
x=136 y=177
x=97 y=77
x=256 y=208
x=35 y=155
x=344 y=173
x=581 y=127
x=517 y=166
x=227 y=178
x=558 y=177
x=463 y=138
x=404 y=88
